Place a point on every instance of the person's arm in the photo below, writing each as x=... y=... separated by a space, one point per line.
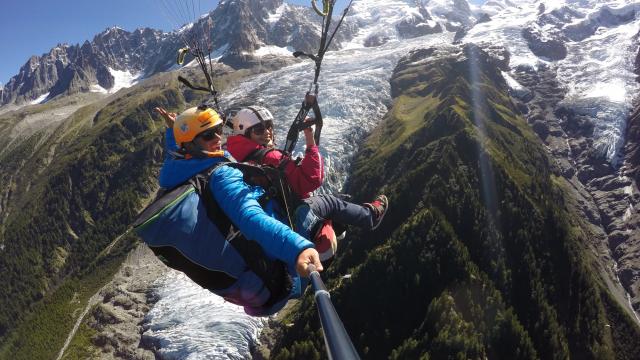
x=303 y=178
x=169 y=139
x=170 y=145
x=308 y=135
x=238 y=201
x=169 y=117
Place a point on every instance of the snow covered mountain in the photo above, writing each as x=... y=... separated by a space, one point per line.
x=243 y=33
x=112 y=60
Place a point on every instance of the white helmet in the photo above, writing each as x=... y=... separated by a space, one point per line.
x=248 y=117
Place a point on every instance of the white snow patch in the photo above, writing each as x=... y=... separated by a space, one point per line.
x=184 y=28
x=40 y=99
x=628 y=213
x=628 y=190
x=614 y=91
x=274 y=50
x=275 y=17
x=219 y=52
x=123 y=79
x=378 y=18
x=106 y=32
x=505 y=27
x=512 y=82
x=99 y=89
x=215 y=56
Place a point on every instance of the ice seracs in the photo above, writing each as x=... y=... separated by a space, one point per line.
x=598 y=77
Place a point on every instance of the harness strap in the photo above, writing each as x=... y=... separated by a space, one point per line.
x=258 y=155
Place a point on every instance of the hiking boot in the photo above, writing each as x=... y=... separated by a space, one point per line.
x=379 y=208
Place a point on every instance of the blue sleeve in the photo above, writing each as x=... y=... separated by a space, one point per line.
x=170 y=145
x=240 y=202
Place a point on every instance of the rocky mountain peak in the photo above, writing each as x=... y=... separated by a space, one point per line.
x=235 y=29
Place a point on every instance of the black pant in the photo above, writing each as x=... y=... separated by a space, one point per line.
x=329 y=207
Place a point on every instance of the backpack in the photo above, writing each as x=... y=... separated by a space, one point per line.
x=213 y=253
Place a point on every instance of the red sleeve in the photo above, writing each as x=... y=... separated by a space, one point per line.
x=307 y=176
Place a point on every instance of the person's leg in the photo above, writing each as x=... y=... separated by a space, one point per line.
x=332 y=208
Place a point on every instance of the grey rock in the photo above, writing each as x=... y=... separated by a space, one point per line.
x=119 y=316
x=541 y=128
x=599 y=192
x=604 y=17
x=552 y=49
x=418 y=25
x=375 y=40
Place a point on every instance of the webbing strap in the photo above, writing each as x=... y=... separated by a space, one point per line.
x=257 y=155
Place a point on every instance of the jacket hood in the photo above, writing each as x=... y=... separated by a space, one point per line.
x=240 y=146
x=176 y=171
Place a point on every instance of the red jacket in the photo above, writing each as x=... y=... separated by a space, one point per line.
x=303 y=178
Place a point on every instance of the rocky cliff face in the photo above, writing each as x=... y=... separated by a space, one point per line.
x=118 y=316
x=606 y=195
x=36 y=76
x=626 y=238
x=70 y=69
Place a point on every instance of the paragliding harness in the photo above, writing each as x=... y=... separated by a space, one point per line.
x=212 y=276
x=278 y=187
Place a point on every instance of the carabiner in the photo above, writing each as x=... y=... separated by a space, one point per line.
x=181 y=54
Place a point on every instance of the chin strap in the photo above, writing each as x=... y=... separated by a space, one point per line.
x=199 y=153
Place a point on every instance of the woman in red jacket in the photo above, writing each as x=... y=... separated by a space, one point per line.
x=253 y=141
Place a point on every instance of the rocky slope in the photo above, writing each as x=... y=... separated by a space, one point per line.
x=115 y=320
x=607 y=194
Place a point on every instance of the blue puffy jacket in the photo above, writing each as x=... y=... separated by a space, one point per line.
x=239 y=201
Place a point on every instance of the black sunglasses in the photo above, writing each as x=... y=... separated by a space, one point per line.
x=260 y=128
x=211 y=133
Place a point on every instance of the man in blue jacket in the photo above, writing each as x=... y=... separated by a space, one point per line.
x=198 y=134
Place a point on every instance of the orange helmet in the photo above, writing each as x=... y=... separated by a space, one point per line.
x=192 y=122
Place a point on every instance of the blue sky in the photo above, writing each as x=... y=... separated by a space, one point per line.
x=33 y=27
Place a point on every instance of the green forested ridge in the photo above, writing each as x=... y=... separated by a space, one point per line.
x=104 y=167
x=477 y=257
x=42 y=332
